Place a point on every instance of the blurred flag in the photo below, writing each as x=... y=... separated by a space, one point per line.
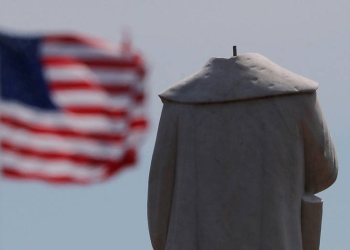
x=72 y=108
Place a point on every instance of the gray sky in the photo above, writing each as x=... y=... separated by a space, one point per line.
x=310 y=38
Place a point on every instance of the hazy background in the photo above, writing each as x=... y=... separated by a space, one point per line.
x=310 y=38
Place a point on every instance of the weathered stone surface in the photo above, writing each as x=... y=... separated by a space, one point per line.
x=238 y=78
x=238 y=145
x=311 y=220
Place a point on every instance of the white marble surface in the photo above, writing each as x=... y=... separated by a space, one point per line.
x=231 y=164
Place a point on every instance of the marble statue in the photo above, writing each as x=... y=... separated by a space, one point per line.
x=241 y=148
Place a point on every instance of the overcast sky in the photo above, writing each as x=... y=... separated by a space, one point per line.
x=310 y=38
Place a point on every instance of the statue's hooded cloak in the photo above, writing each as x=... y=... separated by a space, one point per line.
x=238 y=145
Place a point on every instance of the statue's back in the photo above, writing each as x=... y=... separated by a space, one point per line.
x=231 y=175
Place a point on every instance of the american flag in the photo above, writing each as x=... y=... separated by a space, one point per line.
x=72 y=107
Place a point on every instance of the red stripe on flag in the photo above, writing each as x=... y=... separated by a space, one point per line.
x=139 y=124
x=128 y=160
x=9 y=172
x=79 y=159
x=107 y=137
x=116 y=88
x=75 y=39
x=105 y=63
x=139 y=98
x=112 y=114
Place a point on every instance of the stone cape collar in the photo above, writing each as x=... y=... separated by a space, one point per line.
x=246 y=76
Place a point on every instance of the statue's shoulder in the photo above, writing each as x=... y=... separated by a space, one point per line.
x=242 y=77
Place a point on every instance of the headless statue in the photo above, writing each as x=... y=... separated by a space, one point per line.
x=242 y=146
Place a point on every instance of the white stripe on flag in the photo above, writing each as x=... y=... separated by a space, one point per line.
x=82 y=51
x=55 y=119
x=88 y=98
x=80 y=73
x=50 y=168
x=57 y=144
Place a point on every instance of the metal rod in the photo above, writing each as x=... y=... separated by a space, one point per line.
x=234 y=50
